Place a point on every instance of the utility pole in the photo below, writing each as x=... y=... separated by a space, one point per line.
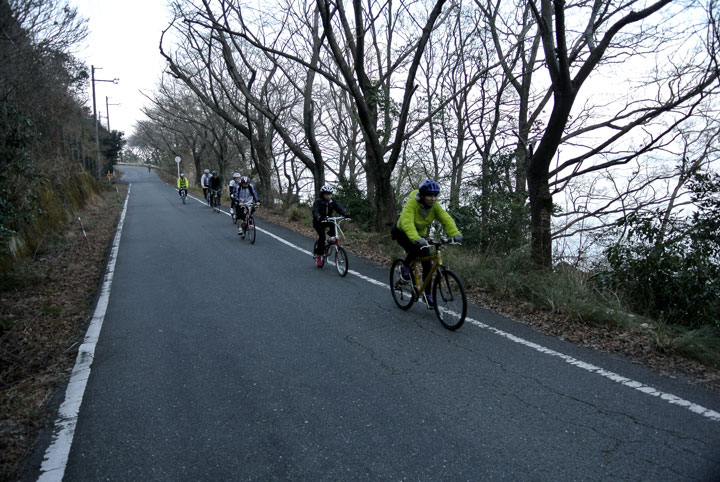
x=107 y=109
x=95 y=116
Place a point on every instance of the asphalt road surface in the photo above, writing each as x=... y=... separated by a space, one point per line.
x=221 y=360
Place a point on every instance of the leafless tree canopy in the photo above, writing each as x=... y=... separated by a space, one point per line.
x=604 y=107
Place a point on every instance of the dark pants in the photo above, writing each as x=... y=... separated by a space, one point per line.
x=241 y=211
x=320 y=228
x=413 y=252
x=216 y=192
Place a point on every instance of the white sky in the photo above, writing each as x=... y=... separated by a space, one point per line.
x=123 y=41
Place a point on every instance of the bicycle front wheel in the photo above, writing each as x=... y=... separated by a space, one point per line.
x=450 y=299
x=401 y=290
x=341 y=260
x=251 y=229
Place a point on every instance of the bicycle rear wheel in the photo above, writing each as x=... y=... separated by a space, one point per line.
x=341 y=260
x=450 y=299
x=402 y=291
x=251 y=229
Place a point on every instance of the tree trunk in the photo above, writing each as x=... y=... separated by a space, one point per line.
x=484 y=201
x=537 y=177
x=383 y=195
x=262 y=151
x=540 y=215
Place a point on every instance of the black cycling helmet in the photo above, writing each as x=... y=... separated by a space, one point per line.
x=429 y=188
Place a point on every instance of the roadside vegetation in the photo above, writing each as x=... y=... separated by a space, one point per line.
x=57 y=213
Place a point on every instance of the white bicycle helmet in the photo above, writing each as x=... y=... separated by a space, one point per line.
x=236 y=174
x=206 y=171
x=328 y=189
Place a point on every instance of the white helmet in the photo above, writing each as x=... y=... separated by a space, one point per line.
x=207 y=171
x=327 y=188
x=182 y=174
x=236 y=174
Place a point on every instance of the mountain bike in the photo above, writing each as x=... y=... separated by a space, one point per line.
x=448 y=293
x=183 y=194
x=215 y=200
x=248 y=227
x=333 y=250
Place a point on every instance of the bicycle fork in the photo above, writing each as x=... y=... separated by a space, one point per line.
x=422 y=288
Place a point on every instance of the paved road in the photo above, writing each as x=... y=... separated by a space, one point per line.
x=219 y=360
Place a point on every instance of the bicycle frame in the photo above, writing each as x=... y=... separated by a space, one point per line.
x=437 y=264
x=338 y=231
x=332 y=249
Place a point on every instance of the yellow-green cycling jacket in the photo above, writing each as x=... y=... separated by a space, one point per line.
x=415 y=218
x=182 y=182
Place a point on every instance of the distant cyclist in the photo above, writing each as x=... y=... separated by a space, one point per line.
x=411 y=230
x=215 y=185
x=245 y=193
x=204 y=184
x=182 y=184
x=323 y=208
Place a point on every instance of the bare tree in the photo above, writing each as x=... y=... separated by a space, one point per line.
x=237 y=60
x=370 y=89
x=570 y=61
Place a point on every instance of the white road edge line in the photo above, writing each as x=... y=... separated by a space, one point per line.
x=56 y=455
x=646 y=389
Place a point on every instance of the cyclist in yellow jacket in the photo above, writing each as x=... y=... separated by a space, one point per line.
x=182 y=184
x=420 y=210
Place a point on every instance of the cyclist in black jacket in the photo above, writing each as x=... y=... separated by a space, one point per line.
x=215 y=184
x=323 y=207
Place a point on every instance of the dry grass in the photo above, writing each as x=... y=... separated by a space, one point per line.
x=44 y=311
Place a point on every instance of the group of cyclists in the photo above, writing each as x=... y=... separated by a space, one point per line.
x=410 y=231
x=243 y=195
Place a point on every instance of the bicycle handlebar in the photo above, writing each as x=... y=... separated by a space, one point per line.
x=444 y=241
x=335 y=218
